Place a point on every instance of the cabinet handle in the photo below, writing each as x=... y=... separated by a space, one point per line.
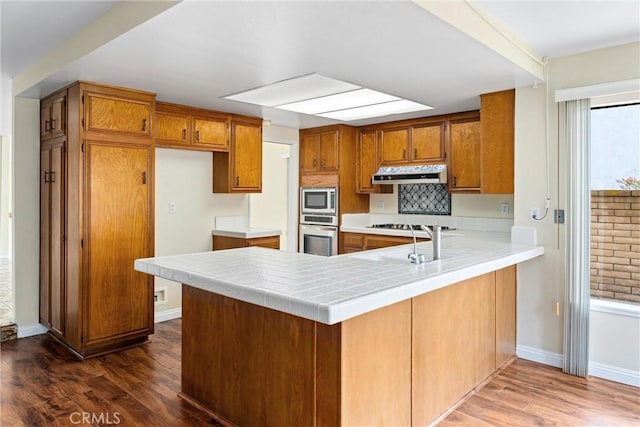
x=144 y=177
x=237 y=181
x=198 y=135
x=404 y=154
x=47 y=127
x=52 y=124
x=415 y=153
x=46 y=176
x=52 y=176
x=454 y=181
x=184 y=134
x=314 y=163
x=144 y=125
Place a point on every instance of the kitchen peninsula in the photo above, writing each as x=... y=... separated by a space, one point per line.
x=280 y=338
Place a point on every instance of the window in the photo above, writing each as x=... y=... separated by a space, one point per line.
x=615 y=202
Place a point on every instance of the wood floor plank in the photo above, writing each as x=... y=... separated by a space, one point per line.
x=42 y=384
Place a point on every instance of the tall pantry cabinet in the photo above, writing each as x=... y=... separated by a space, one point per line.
x=97 y=215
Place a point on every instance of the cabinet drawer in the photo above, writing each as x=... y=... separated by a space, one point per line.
x=375 y=242
x=114 y=114
x=353 y=241
x=265 y=242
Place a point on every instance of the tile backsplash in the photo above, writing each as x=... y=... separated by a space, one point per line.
x=425 y=199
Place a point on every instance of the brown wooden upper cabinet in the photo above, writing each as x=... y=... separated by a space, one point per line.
x=367 y=160
x=52 y=116
x=240 y=170
x=211 y=131
x=319 y=153
x=464 y=161
x=180 y=126
x=427 y=142
x=417 y=143
x=114 y=114
x=497 y=111
x=482 y=149
x=394 y=145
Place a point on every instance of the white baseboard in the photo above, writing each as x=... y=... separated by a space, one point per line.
x=613 y=373
x=31 y=330
x=540 y=356
x=600 y=370
x=163 y=316
x=37 y=329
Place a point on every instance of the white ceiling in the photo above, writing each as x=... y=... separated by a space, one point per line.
x=197 y=52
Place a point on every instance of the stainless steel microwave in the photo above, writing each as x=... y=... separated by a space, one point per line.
x=319 y=200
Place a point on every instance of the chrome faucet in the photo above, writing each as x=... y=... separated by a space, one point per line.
x=414 y=256
x=436 y=237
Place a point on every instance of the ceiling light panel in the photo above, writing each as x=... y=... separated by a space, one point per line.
x=293 y=90
x=376 y=110
x=340 y=101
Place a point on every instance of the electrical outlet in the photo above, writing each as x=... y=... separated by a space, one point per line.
x=172 y=207
x=160 y=296
x=535 y=213
x=504 y=208
x=380 y=204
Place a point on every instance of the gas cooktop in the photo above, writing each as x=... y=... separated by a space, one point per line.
x=404 y=226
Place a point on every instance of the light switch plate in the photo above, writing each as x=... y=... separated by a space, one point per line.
x=172 y=207
x=504 y=208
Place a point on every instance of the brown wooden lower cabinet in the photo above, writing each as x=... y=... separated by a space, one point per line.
x=356 y=242
x=404 y=364
x=224 y=242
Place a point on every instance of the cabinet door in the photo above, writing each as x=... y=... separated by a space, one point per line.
x=114 y=114
x=173 y=128
x=367 y=162
x=246 y=157
x=57 y=227
x=57 y=120
x=464 y=164
x=329 y=158
x=52 y=226
x=505 y=314
x=394 y=144
x=45 y=230
x=427 y=142
x=118 y=299
x=211 y=131
x=309 y=153
x=45 y=116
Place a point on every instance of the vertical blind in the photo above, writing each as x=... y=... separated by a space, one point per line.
x=576 y=319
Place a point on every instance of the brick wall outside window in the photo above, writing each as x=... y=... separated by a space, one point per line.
x=615 y=245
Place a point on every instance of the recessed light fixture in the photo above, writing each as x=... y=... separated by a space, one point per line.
x=322 y=96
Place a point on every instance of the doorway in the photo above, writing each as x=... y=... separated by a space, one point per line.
x=269 y=209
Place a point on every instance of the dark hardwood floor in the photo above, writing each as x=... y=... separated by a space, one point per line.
x=43 y=385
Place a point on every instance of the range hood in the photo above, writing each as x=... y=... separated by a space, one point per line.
x=415 y=174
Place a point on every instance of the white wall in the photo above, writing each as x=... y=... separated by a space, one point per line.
x=184 y=177
x=540 y=280
x=475 y=205
x=5 y=105
x=26 y=212
x=6 y=194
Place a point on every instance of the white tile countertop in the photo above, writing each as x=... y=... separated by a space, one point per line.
x=333 y=289
x=236 y=226
x=246 y=232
